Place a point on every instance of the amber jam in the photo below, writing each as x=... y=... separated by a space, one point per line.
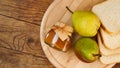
x=53 y=40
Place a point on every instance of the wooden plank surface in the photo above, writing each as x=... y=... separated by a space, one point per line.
x=19 y=34
x=15 y=59
x=27 y=10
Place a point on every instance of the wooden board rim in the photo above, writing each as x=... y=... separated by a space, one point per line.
x=47 y=52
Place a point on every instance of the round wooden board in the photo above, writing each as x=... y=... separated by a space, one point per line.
x=58 y=12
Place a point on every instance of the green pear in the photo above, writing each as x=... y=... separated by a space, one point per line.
x=85 y=23
x=86 y=49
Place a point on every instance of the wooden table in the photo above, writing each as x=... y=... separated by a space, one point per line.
x=19 y=34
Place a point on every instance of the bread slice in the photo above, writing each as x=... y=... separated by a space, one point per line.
x=108 y=56
x=104 y=50
x=109 y=14
x=110 y=59
x=110 y=41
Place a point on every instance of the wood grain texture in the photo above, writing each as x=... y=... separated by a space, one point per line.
x=23 y=38
x=26 y=10
x=15 y=59
x=19 y=34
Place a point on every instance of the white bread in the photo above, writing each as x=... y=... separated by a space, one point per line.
x=110 y=41
x=109 y=14
x=106 y=51
x=110 y=59
x=108 y=54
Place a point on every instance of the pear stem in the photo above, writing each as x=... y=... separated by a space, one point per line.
x=69 y=10
x=97 y=55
